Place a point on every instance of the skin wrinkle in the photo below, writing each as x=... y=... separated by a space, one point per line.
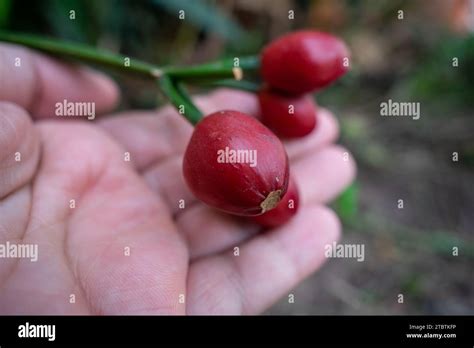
x=30 y=184
x=17 y=261
x=280 y=251
x=198 y=251
x=81 y=281
x=36 y=95
x=205 y=297
x=237 y=280
x=276 y=244
x=155 y=122
x=83 y=278
x=73 y=269
x=14 y=128
x=63 y=221
x=32 y=153
x=3 y=232
x=162 y=159
x=30 y=222
x=160 y=190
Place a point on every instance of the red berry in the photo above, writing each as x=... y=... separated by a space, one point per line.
x=284 y=211
x=236 y=164
x=287 y=116
x=303 y=61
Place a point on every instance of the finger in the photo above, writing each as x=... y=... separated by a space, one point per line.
x=321 y=176
x=325 y=133
x=267 y=267
x=208 y=231
x=166 y=179
x=149 y=137
x=229 y=99
x=37 y=83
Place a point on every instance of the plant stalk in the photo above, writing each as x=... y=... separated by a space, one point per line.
x=179 y=98
x=209 y=71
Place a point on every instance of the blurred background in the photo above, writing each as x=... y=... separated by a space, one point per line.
x=408 y=251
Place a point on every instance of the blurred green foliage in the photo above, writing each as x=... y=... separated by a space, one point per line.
x=346 y=204
x=136 y=25
x=205 y=17
x=5 y=6
x=437 y=77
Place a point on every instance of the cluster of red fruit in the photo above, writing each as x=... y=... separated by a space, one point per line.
x=291 y=66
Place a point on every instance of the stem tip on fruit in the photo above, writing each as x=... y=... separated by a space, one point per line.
x=157 y=73
x=271 y=201
x=238 y=73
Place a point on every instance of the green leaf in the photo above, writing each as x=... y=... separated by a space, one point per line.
x=204 y=16
x=83 y=27
x=438 y=81
x=347 y=203
x=5 y=6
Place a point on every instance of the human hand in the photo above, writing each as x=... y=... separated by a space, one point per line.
x=119 y=206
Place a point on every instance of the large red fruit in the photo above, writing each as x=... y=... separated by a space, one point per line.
x=284 y=211
x=236 y=164
x=287 y=116
x=303 y=61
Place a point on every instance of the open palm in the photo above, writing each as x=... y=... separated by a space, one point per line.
x=113 y=235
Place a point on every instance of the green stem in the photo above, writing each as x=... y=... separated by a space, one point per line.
x=81 y=52
x=183 y=92
x=242 y=85
x=221 y=69
x=179 y=98
x=215 y=70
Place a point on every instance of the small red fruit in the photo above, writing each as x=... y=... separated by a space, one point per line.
x=284 y=211
x=236 y=164
x=287 y=116
x=303 y=61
